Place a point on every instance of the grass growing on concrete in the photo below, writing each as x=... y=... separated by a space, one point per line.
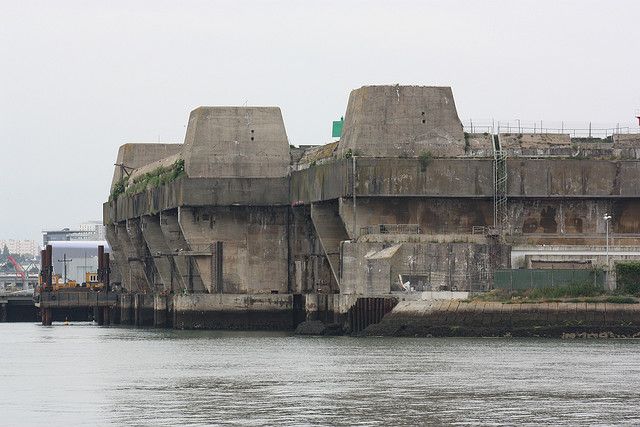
x=574 y=292
x=566 y=291
x=155 y=178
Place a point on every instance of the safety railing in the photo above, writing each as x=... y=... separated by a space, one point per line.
x=427 y=280
x=575 y=130
x=391 y=229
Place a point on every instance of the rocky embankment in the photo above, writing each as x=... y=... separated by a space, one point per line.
x=492 y=319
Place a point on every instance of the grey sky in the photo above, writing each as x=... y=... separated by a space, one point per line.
x=80 y=78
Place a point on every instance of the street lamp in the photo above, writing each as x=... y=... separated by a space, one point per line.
x=607 y=218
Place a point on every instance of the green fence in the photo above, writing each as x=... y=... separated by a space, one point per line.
x=536 y=278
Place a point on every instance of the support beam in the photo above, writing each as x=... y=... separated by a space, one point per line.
x=137 y=280
x=160 y=252
x=141 y=252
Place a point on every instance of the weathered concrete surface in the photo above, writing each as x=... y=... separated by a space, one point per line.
x=370 y=268
x=165 y=163
x=188 y=277
x=331 y=231
x=626 y=140
x=247 y=142
x=433 y=215
x=478 y=145
x=229 y=311
x=143 y=309
x=139 y=253
x=121 y=264
x=159 y=250
x=199 y=192
x=517 y=144
x=402 y=121
x=575 y=219
x=437 y=178
x=135 y=155
x=254 y=241
x=572 y=178
x=309 y=268
x=137 y=280
x=455 y=318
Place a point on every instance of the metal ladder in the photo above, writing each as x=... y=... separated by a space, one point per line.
x=500 y=211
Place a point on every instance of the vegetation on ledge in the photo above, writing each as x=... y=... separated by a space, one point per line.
x=575 y=292
x=157 y=177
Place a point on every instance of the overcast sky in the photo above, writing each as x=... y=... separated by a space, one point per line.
x=80 y=78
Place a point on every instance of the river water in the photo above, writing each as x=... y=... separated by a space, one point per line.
x=87 y=375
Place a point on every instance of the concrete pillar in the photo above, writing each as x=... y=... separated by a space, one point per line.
x=143 y=309
x=98 y=315
x=189 y=277
x=152 y=233
x=126 y=309
x=160 y=311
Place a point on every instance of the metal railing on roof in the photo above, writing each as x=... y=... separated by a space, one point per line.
x=574 y=129
x=390 y=229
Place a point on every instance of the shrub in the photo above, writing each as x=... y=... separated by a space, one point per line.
x=628 y=277
x=155 y=178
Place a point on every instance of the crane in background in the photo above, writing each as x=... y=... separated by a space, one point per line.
x=19 y=270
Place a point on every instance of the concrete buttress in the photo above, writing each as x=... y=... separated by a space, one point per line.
x=188 y=276
x=160 y=252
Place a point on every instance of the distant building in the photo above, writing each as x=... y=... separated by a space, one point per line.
x=90 y=230
x=97 y=229
x=21 y=247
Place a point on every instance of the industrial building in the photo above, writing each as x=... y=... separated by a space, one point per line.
x=235 y=228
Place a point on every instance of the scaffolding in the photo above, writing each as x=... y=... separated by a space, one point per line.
x=500 y=212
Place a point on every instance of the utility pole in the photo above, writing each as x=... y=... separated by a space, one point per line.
x=607 y=218
x=64 y=261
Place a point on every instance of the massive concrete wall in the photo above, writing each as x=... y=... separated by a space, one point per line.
x=248 y=142
x=254 y=246
x=402 y=121
x=434 y=216
x=373 y=267
x=309 y=268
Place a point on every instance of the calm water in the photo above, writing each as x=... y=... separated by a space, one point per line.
x=84 y=374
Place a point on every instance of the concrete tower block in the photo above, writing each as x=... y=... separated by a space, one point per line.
x=229 y=142
x=135 y=155
x=402 y=121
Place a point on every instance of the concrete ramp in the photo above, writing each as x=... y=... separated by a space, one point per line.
x=331 y=231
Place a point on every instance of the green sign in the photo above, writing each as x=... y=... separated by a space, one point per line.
x=336 y=131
